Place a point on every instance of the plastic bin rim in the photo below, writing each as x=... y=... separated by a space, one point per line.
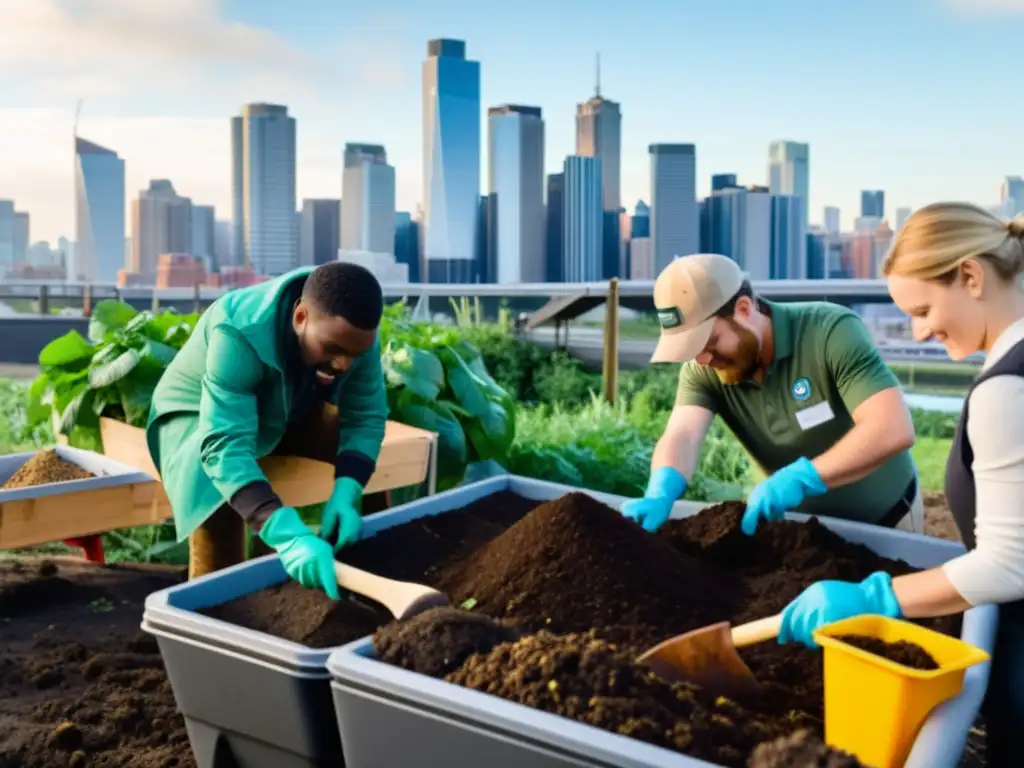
x=120 y=474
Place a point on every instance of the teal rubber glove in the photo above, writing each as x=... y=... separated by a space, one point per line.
x=664 y=487
x=785 y=490
x=341 y=521
x=827 y=601
x=306 y=558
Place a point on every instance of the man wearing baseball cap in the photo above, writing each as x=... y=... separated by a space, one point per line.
x=802 y=387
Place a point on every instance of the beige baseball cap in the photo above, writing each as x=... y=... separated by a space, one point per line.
x=687 y=294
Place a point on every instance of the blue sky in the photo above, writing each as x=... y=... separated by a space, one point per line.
x=917 y=97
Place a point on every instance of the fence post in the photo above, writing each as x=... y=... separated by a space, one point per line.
x=610 y=369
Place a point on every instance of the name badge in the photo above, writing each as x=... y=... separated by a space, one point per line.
x=815 y=416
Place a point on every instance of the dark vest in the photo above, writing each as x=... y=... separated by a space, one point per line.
x=960 y=473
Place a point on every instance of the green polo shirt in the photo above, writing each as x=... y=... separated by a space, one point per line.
x=824 y=366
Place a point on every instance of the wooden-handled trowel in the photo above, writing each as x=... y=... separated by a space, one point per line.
x=403 y=598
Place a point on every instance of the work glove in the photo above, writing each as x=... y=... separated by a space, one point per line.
x=341 y=520
x=785 y=490
x=307 y=559
x=664 y=487
x=827 y=601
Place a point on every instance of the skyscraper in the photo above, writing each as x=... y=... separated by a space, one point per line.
x=263 y=162
x=367 y=200
x=872 y=204
x=99 y=213
x=516 y=187
x=1012 y=195
x=675 y=225
x=6 y=236
x=831 y=220
x=789 y=170
x=599 y=134
x=583 y=220
x=722 y=181
x=320 y=225
x=555 y=227
x=451 y=162
x=407 y=245
x=204 y=237
x=20 y=237
x=161 y=223
x=739 y=226
x=788 y=238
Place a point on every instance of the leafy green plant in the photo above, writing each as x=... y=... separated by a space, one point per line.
x=111 y=374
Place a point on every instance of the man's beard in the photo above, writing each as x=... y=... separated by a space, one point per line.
x=325 y=368
x=746 y=361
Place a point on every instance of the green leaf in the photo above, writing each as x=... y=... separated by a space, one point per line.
x=491 y=428
x=77 y=409
x=66 y=351
x=452 y=452
x=37 y=409
x=157 y=352
x=109 y=373
x=109 y=315
x=418 y=370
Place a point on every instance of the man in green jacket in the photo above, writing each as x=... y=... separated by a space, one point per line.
x=289 y=366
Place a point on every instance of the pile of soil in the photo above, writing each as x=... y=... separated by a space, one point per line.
x=801 y=750
x=80 y=683
x=902 y=651
x=44 y=468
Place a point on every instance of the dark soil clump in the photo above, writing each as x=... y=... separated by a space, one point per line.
x=80 y=683
x=43 y=468
x=801 y=750
x=438 y=641
x=902 y=651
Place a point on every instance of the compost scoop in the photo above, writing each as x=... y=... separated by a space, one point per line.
x=403 y=598
x=707 y=656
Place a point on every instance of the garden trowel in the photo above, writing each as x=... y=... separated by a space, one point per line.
x=708 y=658
x=404 y=599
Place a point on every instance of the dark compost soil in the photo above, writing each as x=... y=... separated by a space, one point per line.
x=902 y=652
x=802 y=749
x=80 y=684
x=588 y=590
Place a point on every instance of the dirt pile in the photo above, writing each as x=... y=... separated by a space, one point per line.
x=440 y=640
x=80 y=684
x=902 y=652
x=574 y=564
x=585 y=678
x=801 y=750
x=43 y=468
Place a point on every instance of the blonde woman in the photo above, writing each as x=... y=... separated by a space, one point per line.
x=955 y=269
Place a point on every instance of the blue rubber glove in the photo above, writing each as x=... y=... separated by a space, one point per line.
x=341 y=520
x=306 y=558
x=783 y=491
x=827 y=601
x=664 y=487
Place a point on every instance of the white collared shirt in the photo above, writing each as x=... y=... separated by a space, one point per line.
x=993 y=572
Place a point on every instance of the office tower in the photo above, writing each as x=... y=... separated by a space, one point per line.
x=640 y=223
x=6 y=236
x=675 y=223
x=204 y=237
x=721 y=181
x=583 y=220
x=554 y=228
x=367 y=200
x=516 y=191
x=599 y=134
x=641 y=259
x=872 y=203
x=789 y=170
x=263 y=163
x=451 y=163
x=902 y=214
x=161 y=223
x=319 y=231
x=99 y=213
x=831 y=220
x=1012 y=195
x=789 y=238
x=407 y=246
x=866 y=223
x=739 y=226
x=223 y=240
x=828 y=256
x=486 y=253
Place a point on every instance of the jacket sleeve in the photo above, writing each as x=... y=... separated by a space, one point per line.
x=362 y=413
x=228 y=416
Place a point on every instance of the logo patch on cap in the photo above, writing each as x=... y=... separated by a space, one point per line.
x=670 y=318
x=802 y=388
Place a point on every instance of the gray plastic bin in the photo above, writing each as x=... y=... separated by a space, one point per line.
x=108 y=474
x=389 y=717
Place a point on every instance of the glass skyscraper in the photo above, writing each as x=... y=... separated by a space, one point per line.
x=451 y=163
x=675 y=221
x=789 y=170
x=99 y=213
x=789 y=238
x=583 y=220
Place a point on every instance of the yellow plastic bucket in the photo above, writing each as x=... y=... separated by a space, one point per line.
x=875 y=707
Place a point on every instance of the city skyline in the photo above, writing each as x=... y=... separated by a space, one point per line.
x=881 y=130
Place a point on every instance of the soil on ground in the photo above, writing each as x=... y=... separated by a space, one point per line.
x=43 y=468
x=801 y=749
x=902 y=651
x=80 y=684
